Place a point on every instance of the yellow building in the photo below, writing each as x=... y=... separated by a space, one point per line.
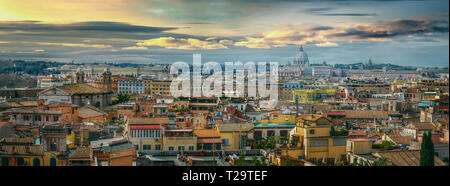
x=159 y=87
x=313 y=95
x=234 y=136
x=312 y=138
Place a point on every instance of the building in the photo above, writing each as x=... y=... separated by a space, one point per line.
x=90 y=113
x=234 y=136
x=160 y=87
x=79 y=94
x=146 y=133
x=313 y=139
x=113 y=152
x=130 y=87
x=208 y=139
x=179 y=139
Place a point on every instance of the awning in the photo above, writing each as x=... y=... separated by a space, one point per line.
x=145 y=127
x=209 y=140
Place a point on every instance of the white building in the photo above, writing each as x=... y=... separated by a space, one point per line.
x=130 y=87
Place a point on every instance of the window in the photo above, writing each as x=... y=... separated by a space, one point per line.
x=36 y=162
x=311 y=131
x=180 y=148
x=319 y=143
x=339 y=142
x=283 y=133
x=270 y=133
x=258 y=133
x=55 y=118
x=137 y=147
x=225 y=142
x=191 y=148
x=143 y=109
x=147 y=147
x=170 y=148
x=157 y=147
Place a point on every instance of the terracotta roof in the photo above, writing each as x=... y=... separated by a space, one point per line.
x=406 y=158
x=400 y=139
x=148 y=121
x=81 y=153
x=357 y=133
x=422 y=126
x=234 y=127
x=364 y=114
x=90 y=111
x=81 y=89
x=204 y=133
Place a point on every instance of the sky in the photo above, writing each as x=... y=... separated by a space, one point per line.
x=401 y=32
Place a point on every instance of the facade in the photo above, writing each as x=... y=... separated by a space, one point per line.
x=160 y=87
x=146 y=133
x=78 y=94
x=131 y=87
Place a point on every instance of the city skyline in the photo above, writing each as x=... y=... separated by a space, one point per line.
x=398 y=32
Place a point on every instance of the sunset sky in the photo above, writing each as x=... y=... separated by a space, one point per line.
x=336 y=31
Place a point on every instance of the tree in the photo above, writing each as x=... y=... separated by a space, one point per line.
x=122 y=98
x=427 y=150
x=241 y=160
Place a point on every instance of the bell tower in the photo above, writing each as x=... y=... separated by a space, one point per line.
x=79 y=75
x=107 y=83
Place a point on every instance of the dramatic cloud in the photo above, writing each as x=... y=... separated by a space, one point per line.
x=183 y=44
x=37 y=26
x=395 y=28
x=76 y=45
x=328 y=12
x=326 y=36
x=135 y=48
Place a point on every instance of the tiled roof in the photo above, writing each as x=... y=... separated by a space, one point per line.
x=422 y=126
x=400 y=139
x=81 y=153
x=148 y=121
x=81 y=89
x=89 y=112
x=406 y=158
x=364 y=114
x=204 y=133
x=234 y=127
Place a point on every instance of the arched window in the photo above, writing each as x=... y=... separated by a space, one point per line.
x=5 y=162
x=36 y=162
x=20 y=162
x=52 y=162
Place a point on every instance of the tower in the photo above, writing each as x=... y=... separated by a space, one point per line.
x=79 y=75
x=107 y=79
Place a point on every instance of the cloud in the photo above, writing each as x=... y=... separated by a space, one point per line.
x=326 y=12
x=76 y=45
x=326 y=44
x=401 y=27
x=182 y=43
x=103 y=26
x=135 y=48
x=324 y=35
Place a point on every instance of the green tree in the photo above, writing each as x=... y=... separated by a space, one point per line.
x=427 y=150
x=121 y=98
x=241 y=160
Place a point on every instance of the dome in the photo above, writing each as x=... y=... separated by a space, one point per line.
x=301 y=58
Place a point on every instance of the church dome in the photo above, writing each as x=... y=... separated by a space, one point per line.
x=301 y=58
